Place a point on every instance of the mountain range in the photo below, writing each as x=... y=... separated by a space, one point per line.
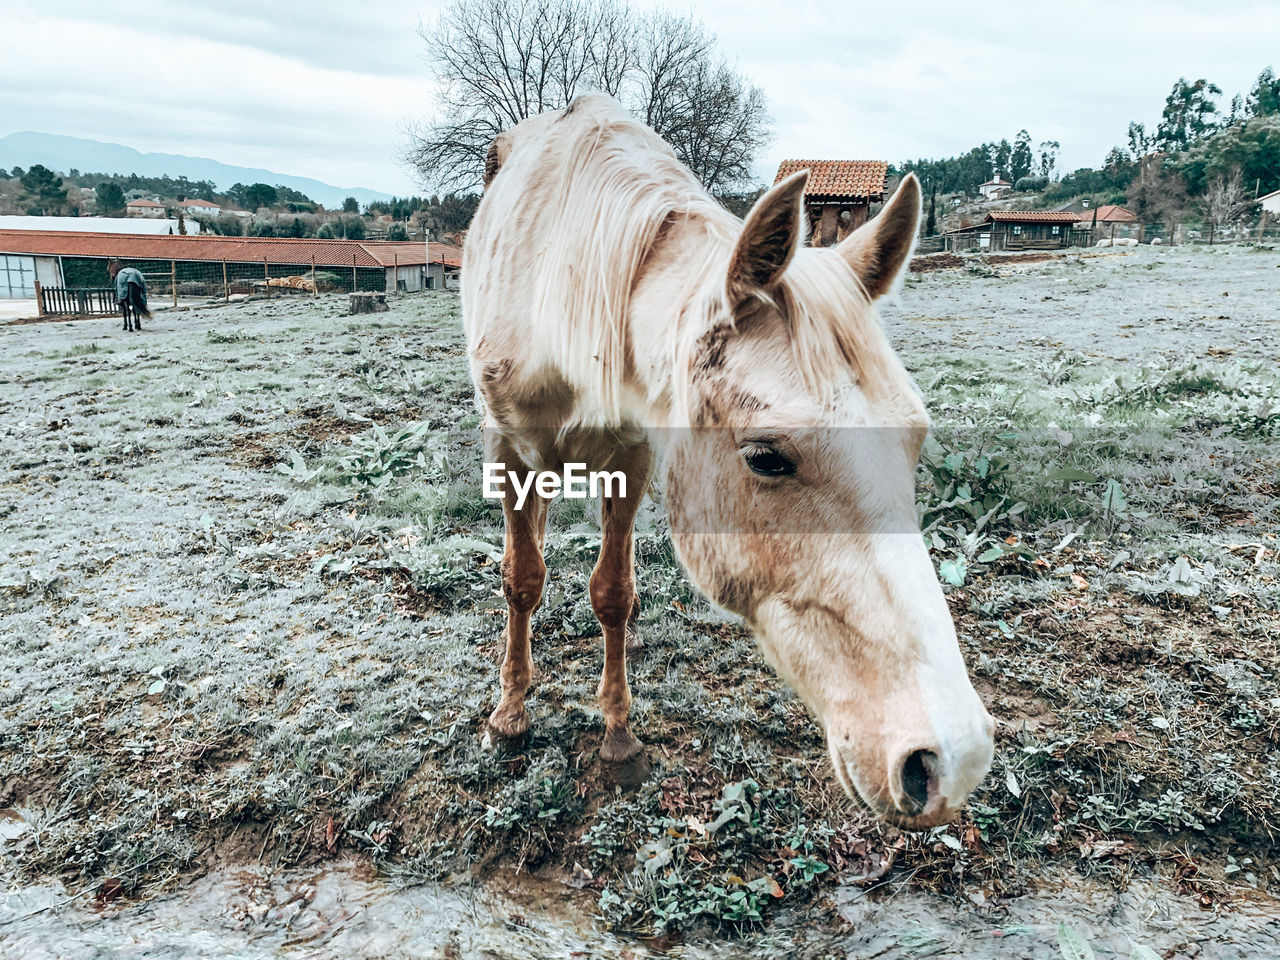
x=61 y=153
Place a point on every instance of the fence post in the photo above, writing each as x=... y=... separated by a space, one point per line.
x=40 y=292
x=314 y=291
x=395 y=273
x=173 y=280
x=266 y=273
x=353 y=273
x=226 y=289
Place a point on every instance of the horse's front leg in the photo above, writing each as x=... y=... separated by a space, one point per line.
x=523 y=574
x=613 y=597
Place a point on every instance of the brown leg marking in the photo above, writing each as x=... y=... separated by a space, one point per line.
x=523 y=574
x=613 y=597
x=634 y=643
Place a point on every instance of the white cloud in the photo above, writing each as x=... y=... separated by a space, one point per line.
x=321 y=89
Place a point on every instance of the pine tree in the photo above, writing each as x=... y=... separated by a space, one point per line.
x=45 y=189
x=110 y=199
x=1021 y=161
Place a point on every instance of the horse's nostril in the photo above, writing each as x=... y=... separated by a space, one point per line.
x=917 y=779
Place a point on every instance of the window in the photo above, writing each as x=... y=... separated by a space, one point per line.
x=1057 y=230
x=1017 y=229
x=17 y=277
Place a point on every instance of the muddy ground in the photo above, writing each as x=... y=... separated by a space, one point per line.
x=250 y=610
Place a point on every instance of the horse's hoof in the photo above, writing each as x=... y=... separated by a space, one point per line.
x=506 y=726
x=625 y=762
x=619 y=746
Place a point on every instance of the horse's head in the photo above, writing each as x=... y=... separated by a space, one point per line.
x=792 y=503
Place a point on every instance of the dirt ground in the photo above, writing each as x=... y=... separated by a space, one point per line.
x=249 y=609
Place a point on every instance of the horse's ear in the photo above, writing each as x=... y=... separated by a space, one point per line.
x=880 y=248
x=773 y=231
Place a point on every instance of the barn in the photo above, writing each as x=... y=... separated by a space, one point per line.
x=1020 y=230
x=839 y=194
x=213 y=266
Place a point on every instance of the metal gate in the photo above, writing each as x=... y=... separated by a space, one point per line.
x=17 y=277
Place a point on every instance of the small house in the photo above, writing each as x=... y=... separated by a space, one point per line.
x=143 y=208
x=199 y=208
x=1271 y=203
x=1017 y=230
x=838 y=194
x=994 y=188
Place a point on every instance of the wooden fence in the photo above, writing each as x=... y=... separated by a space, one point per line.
x=62 y=301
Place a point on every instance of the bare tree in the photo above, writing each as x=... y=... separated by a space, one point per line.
x=496 y=62
x=1224 y=198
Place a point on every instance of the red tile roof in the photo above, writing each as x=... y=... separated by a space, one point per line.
x=1032 y=216
x=199 y=203
x=1108 y=213
x=839 y=179
x=143 y=202
x=127 y=246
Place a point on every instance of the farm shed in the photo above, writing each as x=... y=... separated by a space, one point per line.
x=211 y=266
x=1112 y=220
x=838 y=196
x=1020 y=230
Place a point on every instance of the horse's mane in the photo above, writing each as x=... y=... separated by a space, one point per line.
x=600 y=193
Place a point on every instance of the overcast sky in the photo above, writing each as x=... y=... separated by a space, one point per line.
x=323 y=88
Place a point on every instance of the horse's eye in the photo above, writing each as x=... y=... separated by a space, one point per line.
x=768 y=462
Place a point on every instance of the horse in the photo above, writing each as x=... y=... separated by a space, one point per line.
x=615 y=311
x=131 y=293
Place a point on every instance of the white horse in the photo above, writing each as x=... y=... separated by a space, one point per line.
x=613 y=309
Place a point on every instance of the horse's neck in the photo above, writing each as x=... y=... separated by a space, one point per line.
x=666 y=315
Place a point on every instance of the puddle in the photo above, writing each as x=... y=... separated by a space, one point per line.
x=345 y=911
x=887 y=925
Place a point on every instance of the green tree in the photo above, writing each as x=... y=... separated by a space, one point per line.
x=45 y=189
x=1264 y=98
x=262 y=227
x=1188 y=115
x=1000 y=156
x=353 y=228
x=260 y=195
x=110 y=199
x=298 y=228
x=1020 y=160
x=350 y=205
x=397 y=232
x=1139 y=140
x=228 y=225
x=1252 y=147
x=1049 y=158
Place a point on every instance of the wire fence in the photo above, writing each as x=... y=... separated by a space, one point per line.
x=225 y=279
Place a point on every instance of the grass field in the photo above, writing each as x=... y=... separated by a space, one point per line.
x=249 y=609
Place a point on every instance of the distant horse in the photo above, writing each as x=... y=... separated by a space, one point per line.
x=612 y=308
x=131 y=293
